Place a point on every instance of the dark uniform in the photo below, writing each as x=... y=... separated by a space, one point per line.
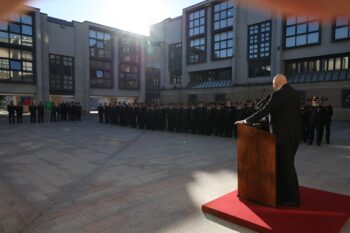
x=304 y=122
x=219 y=121
x=315 y=122
x=230 y=118
x=327 y=118
x=209 y=119
x=100 y=111
x=11 y=110
x=32 y=111
x=19 y=113
x=41 y=110
x=53 y=116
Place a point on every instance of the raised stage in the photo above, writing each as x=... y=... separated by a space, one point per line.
x=320 y=211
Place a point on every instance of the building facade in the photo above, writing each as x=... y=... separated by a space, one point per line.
x=215 y=50
x=49 y=59
x=218 y=50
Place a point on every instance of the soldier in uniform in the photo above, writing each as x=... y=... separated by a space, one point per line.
x=230 y=116
x=170 y=117
x=304 y=121
x=201 y=118
x=239 y=114
x=327 y=117
x=11 y=110
x=59 y=112
x=19 y=112
x=32 y=111
x=315 y=121
x=209 y=118
x=41 y=110
x=219 y=120
x=193 y=119
x=106 y=112
x=53 y=113
x=100 y=111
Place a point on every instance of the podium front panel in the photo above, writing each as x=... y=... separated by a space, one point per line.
x=256 y=165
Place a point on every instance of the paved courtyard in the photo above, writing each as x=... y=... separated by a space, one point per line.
x=75 y=177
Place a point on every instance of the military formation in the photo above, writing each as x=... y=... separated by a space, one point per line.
x=59 y=112
x=207 y=119
x=316 y=116
x=213 y=118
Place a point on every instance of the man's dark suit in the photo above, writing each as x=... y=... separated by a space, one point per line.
x=285 y=122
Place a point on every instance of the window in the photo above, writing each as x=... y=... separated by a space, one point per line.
x=152 y=80
x=223 y=15
x=211 y=75
x=259 y=42
x=223 y=43
x=258 y=68
x=346 y=98
x=318 y=64
x=341 y=28
x=259 y=47
x=129 y=62
x=61 y=74
x=196 y=22
x=197 y=52
x=301 y=31
x=196 y=43
x=18 y=30
x=175 y=63
x=14 y=66
x=101 y=59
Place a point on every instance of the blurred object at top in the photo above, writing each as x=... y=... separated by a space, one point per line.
x=321 y=8
x=10 y=6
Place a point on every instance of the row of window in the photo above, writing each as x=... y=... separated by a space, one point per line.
x=18 y=29
x=61 y=74
x=222 y=33
x=211 y=75
x=318 y=64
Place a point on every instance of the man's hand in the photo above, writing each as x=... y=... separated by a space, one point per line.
x=240 y=122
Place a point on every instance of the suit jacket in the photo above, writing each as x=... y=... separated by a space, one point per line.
x=284 y=109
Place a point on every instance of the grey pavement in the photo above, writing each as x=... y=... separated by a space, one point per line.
x=75 y=177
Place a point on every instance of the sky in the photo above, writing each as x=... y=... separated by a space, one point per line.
x=130 y=15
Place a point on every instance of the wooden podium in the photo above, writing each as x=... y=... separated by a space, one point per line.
x=256 y=165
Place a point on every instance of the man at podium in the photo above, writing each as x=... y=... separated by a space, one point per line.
x=284 y=109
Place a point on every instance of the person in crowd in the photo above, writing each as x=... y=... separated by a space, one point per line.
x=11 y=111
x=19 y=112
x=53 y=115
x=41 y=111
x=315 y=115
x=327 y=117
x=100 y=110
x=32 y=111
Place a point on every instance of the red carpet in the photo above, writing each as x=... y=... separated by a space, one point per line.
x=320 y=211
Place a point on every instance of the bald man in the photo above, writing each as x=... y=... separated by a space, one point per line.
x=284 y=109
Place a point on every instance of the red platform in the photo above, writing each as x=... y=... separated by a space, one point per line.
x=320 y=211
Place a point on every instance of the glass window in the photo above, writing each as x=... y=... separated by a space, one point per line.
x=223 y=15
x=301 y=31
x=4 y=37
x=27 y=40
x=197 y=50
x=15 y=17
x=4 y=52
x=15 y=54
x=15 y=65
x=4 y=64
x=27 y=66
x=27 y=19
x=223 y=45
x=4 y=74
x=27 y=30
x=196 y=23
x=61 y=74
x=342 y=28
x=259 y=40
x=27 y=55
x=3 y=25
x=15 y=39
x=15 y=28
